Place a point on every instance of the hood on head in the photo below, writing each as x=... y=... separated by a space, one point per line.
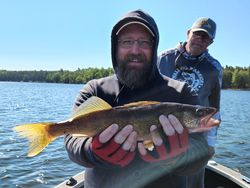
x=140 y=17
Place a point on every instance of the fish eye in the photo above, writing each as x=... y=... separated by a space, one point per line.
x=200 y=112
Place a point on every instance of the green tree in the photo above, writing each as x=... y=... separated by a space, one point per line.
x=239 y=79
x=227 y=79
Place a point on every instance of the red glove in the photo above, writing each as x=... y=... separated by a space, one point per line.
x=112 y=152
x=178 y=143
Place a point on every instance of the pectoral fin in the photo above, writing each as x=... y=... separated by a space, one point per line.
x=148 y=144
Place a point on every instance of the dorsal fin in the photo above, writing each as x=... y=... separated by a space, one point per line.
x=137 y=104
x=92 y=104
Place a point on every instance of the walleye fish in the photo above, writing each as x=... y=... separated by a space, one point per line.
x=94 y=115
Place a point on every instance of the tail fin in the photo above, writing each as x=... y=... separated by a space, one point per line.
x=37 y=134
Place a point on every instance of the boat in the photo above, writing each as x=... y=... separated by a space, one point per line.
x=216 y=176
x=220 y=176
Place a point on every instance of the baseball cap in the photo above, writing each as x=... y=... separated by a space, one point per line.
x=135 y=22
x=205 y=24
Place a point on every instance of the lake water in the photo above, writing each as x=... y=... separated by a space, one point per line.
x=34 y=102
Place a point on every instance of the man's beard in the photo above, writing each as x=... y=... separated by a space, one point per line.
x=130 y=76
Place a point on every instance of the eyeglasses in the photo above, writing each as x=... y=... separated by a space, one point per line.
x=142 y=43
x=204 y=36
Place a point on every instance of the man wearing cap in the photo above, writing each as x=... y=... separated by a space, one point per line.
x=190 y=62
x=113 y=158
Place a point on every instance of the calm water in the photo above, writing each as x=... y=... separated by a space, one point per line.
x=33 y=102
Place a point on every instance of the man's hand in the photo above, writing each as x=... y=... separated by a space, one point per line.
x=117 y=148
x=176 y=139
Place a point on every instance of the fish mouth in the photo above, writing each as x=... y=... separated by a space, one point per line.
x=203 y=127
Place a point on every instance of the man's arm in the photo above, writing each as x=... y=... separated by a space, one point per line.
x=111 y=148
x=77 y=147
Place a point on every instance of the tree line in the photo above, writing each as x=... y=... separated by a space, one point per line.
x=61 y=76
x=236 y=77
x=233 y=77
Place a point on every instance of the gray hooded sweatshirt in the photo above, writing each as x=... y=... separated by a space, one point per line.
x=100 y=174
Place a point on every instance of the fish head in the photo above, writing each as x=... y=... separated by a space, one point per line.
x=195 y=118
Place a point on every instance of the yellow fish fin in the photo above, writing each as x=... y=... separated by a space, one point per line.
x=148 y=144
x=92 y=104
x=37 y=134
x=140 y=103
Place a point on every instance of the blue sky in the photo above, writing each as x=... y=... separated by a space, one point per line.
x=55 y=34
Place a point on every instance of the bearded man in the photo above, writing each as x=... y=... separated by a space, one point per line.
x=114 y=158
